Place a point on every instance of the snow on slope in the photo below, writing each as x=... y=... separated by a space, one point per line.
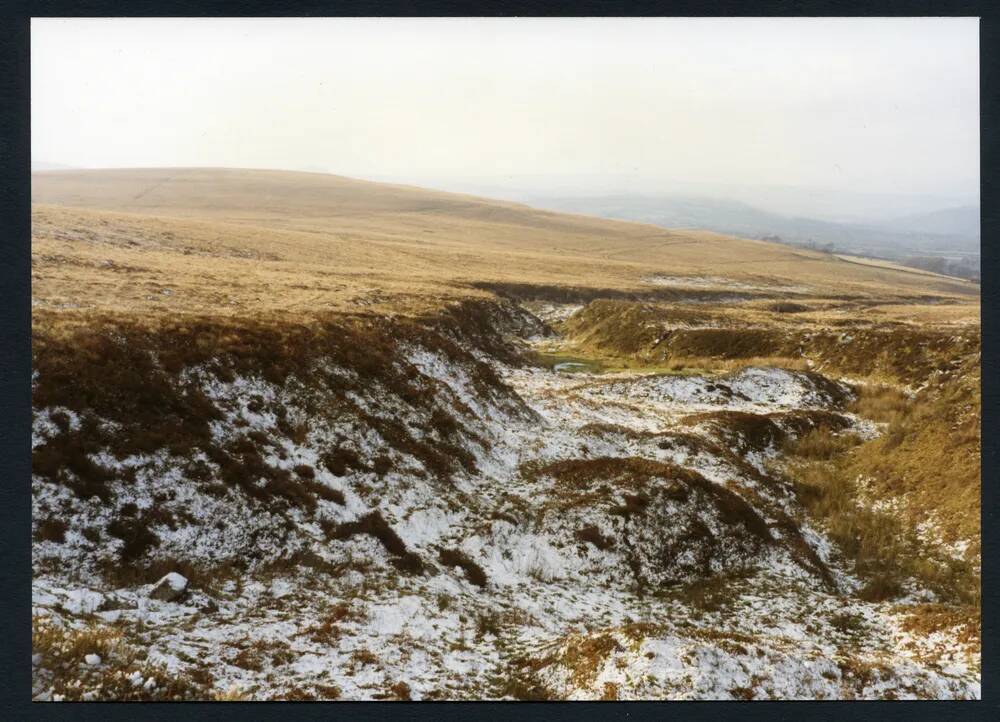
x=596 y=547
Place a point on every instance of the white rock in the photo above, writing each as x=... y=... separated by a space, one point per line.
x=170 y=588
x=92 y=659
x=36 y=659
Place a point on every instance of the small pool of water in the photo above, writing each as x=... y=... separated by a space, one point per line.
x=572 y=367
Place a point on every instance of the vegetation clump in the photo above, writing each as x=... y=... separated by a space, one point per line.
x=374 y=524
x=457 y=558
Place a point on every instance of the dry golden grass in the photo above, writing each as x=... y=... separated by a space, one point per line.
x=882 y=547
x=238 y=242
x=821 y=443
x=926 y=619
x=930 y=457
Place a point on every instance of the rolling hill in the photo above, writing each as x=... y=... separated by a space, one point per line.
x=298 y=436
x=324 y=240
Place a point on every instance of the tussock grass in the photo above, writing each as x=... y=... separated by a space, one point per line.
x=63 y=668
x=929 y=454
x=821 y=443
x=886 y=404
x=926 y=619
x=881 y=547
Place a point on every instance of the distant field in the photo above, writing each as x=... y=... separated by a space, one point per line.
x=226 y=242
x=879 y=263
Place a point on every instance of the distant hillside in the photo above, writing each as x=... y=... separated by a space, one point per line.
x=961 y=221
x=946 y=231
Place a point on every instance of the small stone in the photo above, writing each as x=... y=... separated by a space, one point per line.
x=170 y=588
x=36 y=659
x=92 y=659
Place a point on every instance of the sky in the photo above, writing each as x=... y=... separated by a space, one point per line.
x=884 y=106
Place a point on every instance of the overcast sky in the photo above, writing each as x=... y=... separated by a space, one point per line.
x=874 y=105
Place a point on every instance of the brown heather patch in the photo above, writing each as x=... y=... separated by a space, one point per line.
x=711 y=594
x=318 y=693
x=457 y=558
x=328 y=630
x=342 y=460
x=583 y=656
x=636 y=632
x=51 y=529
x=802 y=421
x=364 y=656
x=524 y=683
x=206 y=578
x=636 y=479
x=858 y=674
x=592 y=535
x=126 y=371
x=743 y=431
x=902 y=354
x=374 y=525
x=722 y=343
x=628 y=333
x=400 y=691
x=136 y=536
x=627 y=486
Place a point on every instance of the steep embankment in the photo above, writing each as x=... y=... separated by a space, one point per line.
x=373 y=508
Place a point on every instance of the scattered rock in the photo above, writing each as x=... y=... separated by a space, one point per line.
x=92 y=659
x=170 y=588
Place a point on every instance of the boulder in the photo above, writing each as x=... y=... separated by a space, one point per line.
x=170 y=588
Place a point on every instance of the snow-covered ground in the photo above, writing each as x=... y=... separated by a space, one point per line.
x=606 y=545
